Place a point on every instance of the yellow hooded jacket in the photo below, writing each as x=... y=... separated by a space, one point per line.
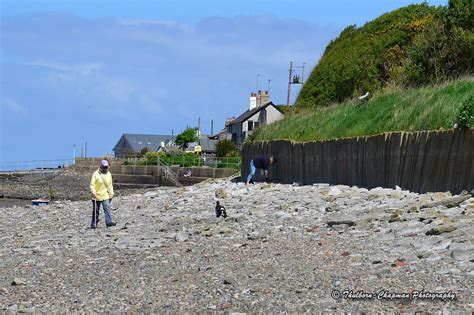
x=99 y=187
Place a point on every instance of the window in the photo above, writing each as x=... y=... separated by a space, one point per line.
x=255 y=124
x=244 y=134
x=250 y=125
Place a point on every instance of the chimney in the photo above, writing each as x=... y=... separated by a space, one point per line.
x=229 y=120
x=162 y=144
x=262 y=98
x=253 y=101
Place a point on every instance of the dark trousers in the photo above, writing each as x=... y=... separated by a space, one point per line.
x=95 y=212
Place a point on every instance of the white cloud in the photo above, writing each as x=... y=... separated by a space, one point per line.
x=12 y=106
x=82 y=69
x=145 y=22
x=161 y=73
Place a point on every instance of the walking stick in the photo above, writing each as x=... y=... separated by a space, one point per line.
x=94 y=214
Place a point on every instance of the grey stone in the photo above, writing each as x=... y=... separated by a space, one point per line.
x=150 y=194
x=183 y=254
x=182 y=237
x=334 y=191
x=18 y=281
x=441 y=229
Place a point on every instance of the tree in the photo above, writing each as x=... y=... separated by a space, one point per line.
x=187 y=136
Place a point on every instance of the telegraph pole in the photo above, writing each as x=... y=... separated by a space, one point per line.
x=289 y=84
x=302 y=75
x=294 y=79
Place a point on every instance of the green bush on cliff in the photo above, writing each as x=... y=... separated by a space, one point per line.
x=411 y=46
x=466 y=114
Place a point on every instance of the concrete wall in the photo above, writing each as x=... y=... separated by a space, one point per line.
x=151 y=175
x=418 y=161
x=93 y=163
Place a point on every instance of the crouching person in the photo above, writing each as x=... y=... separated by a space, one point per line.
x=260 y=162
x=102 y=193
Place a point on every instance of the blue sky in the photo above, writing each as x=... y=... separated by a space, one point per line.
x=75 y=71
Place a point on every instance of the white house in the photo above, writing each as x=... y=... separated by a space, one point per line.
x=261 y=112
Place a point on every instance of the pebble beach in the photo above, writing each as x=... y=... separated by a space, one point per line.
x=282 y=248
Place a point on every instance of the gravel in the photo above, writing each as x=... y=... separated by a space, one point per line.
x=275 y=252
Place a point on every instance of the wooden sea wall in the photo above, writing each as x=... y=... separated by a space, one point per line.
x=418 y=161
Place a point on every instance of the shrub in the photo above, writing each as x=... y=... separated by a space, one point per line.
x=466 y=114
x=225 y=147
x=411 y=46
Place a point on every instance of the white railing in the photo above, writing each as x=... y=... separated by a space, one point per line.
x=35 y=165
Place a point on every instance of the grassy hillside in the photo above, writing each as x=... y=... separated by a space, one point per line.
x=426 y=108
x=412 y=46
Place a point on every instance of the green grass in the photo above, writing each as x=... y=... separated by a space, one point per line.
x=415 y=109
x=189 y=160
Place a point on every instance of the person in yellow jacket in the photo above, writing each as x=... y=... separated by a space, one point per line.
x=102 y=193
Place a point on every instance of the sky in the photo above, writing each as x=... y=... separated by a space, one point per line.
x=88 y=71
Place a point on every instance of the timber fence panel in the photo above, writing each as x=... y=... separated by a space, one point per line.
x=307 y=163
x=289 y=166
x=466 y=159
x=403 y=153
x=347 y=163
x=317 y=163
x=430 y=161
x=369 y=159
x=360 y=161
x=453 y=158
x=445 y=144
x=468 y=162
x=325 y=161
x=354 y=162
x=394 y=160
x=408 y=158
x=417 y=161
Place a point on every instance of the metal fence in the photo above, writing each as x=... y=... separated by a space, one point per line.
x=35 y=165
x=187 y=161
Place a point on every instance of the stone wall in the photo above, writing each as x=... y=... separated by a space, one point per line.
x=151 y=175
x=418 y=161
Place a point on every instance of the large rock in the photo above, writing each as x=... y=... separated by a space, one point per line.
x=334 y=191
x=441 y=229
x=221 y=193
x=19 y=281
x=182 y=237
